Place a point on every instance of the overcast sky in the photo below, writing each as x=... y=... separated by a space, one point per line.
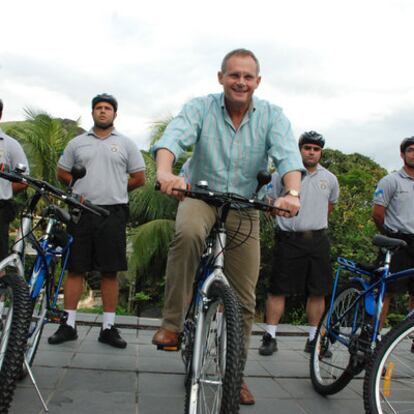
x=343 y=68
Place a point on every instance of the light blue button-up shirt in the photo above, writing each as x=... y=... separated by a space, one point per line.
x=227 y=158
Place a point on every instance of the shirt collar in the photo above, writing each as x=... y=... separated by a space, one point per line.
x=252 y=106
x=404 y=174
x=92 y=133
x=318 y=168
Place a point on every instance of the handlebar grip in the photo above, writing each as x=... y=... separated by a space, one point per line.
x=102 y=211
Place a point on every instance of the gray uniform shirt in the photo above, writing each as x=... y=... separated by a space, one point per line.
x=318 y=190
x=108 y=162
x=395 y=192
x=11 y=154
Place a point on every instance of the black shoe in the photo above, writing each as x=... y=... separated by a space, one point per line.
x=111 y=337
x=64 y=333
x=269 y=345
x=310 y=345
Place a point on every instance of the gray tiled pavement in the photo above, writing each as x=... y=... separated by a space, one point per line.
x=86 y=377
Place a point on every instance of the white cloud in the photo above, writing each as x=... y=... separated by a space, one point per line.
x=334 y=66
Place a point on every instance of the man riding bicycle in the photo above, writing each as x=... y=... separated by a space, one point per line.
x=233 y=135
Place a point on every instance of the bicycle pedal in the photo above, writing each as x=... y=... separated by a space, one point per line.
x=57 y=316
x=173 y=348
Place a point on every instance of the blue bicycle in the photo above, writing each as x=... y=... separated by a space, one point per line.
x=213 y=337
x=348 y=332
x=35 y=302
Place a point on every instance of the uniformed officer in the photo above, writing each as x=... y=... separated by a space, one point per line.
x=11 y=154
x=393 y=216
x=114 y=166
x=302 y=257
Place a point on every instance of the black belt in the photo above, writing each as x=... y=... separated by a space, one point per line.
x=409 y=238
x=113 y=206
x=308 y=234
x=4 y=203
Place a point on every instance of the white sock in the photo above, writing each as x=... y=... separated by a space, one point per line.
x=312 y=332
x=271 y=330
x=108 y=320
x=71 y=317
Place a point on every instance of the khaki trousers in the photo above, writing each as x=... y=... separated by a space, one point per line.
x=241 y=263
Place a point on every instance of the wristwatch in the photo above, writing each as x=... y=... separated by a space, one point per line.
x=293 y=193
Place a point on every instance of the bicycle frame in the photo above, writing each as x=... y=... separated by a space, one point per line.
x=46 y=253
x=373 y=301
x=210 y=274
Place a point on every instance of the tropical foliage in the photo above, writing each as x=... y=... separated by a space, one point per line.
x=350 y=225
x=44 y=139
x=151 y=230
x=152 y=214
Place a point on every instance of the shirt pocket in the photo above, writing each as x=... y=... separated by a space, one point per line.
x=85 y=153
x=254 y=159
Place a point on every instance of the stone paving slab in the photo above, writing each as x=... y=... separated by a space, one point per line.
x=87 y=377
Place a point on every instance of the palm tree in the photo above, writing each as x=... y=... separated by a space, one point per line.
x=152 y=219
x=44 y=139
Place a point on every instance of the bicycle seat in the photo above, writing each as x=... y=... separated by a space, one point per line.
x=387 y=242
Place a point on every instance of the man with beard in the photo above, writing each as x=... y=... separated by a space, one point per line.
x=233 y=135
x=393 y=216
x=114 y=166
x=302 y=258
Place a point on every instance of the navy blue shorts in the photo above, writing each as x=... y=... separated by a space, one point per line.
x=99 y=242
x=301 y=264
x=7 y=214
x=402 y=259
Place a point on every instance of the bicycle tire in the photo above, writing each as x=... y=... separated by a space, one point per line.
x=35 y=332
x=389 y=378
x=13 y=335
x=331 y=373
x=187 y=350
x=222 y=345
x=39 y=307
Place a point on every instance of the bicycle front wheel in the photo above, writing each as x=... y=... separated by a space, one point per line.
x=389 y=379
x=39 y=310
x=39 y=306
x=332 y=365
x=14 y=322
x=215 y=388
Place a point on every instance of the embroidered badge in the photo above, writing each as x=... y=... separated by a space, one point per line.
x=323 y=184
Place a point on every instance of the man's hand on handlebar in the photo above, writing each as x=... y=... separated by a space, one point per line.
x=287 y=202
x=169 y=181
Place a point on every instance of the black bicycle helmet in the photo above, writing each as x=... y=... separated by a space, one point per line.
x=104 y=97
x=311 y=137
x=406 y=142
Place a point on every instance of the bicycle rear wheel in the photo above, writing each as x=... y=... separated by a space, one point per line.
x=389 y=379
x=215 y=388
x=14 y=323
x=333 y=364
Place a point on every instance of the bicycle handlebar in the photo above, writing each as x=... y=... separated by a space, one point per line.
x=219 y=199
x=41 y=186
